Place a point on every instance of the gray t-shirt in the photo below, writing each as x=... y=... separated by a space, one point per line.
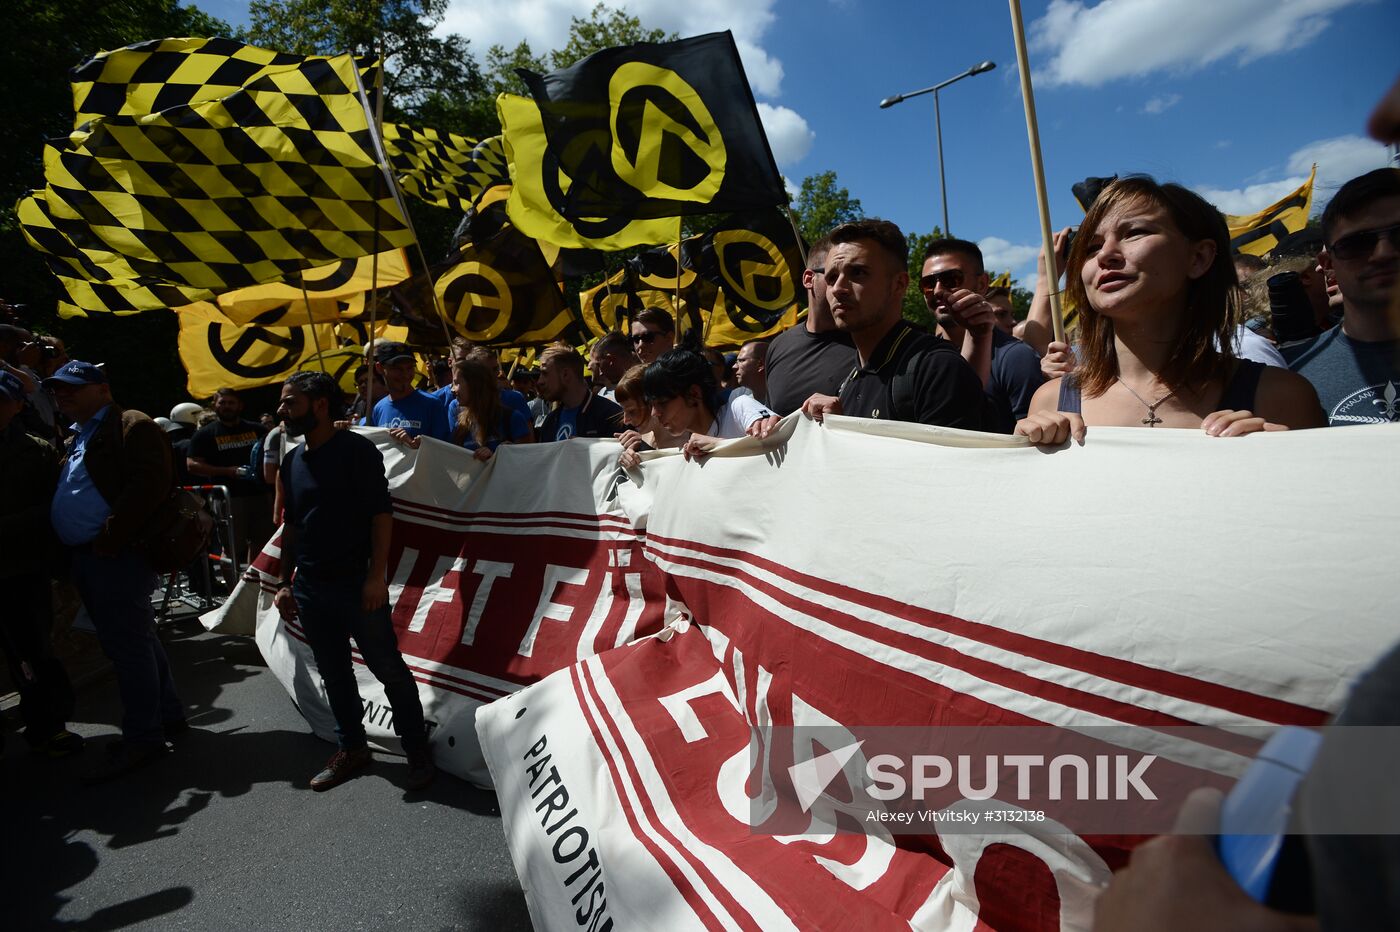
x=1357 y=383
x=801 y=364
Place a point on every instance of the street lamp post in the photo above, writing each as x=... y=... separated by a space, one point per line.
x=938 y=123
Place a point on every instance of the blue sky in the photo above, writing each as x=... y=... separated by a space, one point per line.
x=1235 y=98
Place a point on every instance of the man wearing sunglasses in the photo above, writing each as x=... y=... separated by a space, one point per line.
x=954 y=285
x=1354 y=366
x=653 y=333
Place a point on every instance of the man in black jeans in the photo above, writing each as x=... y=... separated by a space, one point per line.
x=337 y=522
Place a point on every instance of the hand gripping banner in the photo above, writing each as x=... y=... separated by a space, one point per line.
x=821 y=586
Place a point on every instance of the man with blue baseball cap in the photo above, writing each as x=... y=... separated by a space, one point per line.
x=116 y=474
x=28 y=473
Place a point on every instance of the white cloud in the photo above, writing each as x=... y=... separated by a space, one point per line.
x=788 y=134
x=998 y=255
x=1161 y=103
x=1091 y=45
x=1338 y=160
x=545 y=25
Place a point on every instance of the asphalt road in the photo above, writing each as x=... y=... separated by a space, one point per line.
x=224 y=835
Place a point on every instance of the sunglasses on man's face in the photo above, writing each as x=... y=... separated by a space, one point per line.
x=948 y=278
x=640 y=338
x=1361 y=244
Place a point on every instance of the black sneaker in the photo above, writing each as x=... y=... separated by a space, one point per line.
x=341 y=767
x=123 y=758
x=421 y=769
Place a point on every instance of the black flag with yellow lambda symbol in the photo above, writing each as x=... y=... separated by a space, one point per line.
x=657 y=130
x=755 y=260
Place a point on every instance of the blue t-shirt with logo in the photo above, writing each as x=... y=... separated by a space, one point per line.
x=1357 y=383
x=418 y=413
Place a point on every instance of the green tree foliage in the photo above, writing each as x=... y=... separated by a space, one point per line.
x=823 y=204
x=422 y=70
x=915 y=309
x=1021 y=301
x=38 y=105
x=603 y=29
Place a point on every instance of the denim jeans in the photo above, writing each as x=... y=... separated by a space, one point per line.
x=117 y=594
x=329 y=612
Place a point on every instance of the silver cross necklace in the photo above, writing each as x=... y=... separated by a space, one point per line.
x=1152 y=420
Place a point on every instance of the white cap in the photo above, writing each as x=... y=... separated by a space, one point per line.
x=167 y=425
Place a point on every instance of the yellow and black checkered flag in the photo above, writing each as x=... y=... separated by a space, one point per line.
x=444 y=169
x=158 y=74
x=277 y=177
x=755 y=260
x=1259 y=233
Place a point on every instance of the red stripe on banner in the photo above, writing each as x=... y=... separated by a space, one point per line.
x=667 y=864
x=515 y=515
x=490 y=691
x=736 y=910
x=426 y=677
x=1127 y=672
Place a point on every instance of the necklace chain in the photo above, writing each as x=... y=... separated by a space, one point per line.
x=1152 y=420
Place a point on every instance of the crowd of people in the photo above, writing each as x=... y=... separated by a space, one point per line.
x=1174 y=332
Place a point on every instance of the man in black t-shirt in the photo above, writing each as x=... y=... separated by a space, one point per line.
x=219 y=454
x=814 y=357
x=902 y=373
x=336 y=530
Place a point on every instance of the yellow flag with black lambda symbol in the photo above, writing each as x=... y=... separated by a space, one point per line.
x=336 y=291
x=498 y=290
x=539 y=186
x=340 y=363
x=275 y=178
x=444 y=169
x=657 y=130
x=216 y=352
x=606 y=307
x=1259 y=233
x=755 y=260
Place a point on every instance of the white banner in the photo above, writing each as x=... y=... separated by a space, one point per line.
x=500 y=574
x=870 y=574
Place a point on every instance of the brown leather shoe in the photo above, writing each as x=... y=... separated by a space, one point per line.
x=341 y=767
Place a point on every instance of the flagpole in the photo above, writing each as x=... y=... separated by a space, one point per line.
x=1057 y=317
x=680 y=234
x=796 y=233
x=311 y=322
x=382 y=156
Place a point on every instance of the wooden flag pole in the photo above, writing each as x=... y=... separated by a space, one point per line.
x=680 y=235
x=311 y=322
x=382 y=156
x=796 y=233
x=1057 y=317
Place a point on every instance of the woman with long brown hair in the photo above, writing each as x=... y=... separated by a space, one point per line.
x=483 y=422
x=1151 y=274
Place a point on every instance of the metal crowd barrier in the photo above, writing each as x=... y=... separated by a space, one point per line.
x=191 y=592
